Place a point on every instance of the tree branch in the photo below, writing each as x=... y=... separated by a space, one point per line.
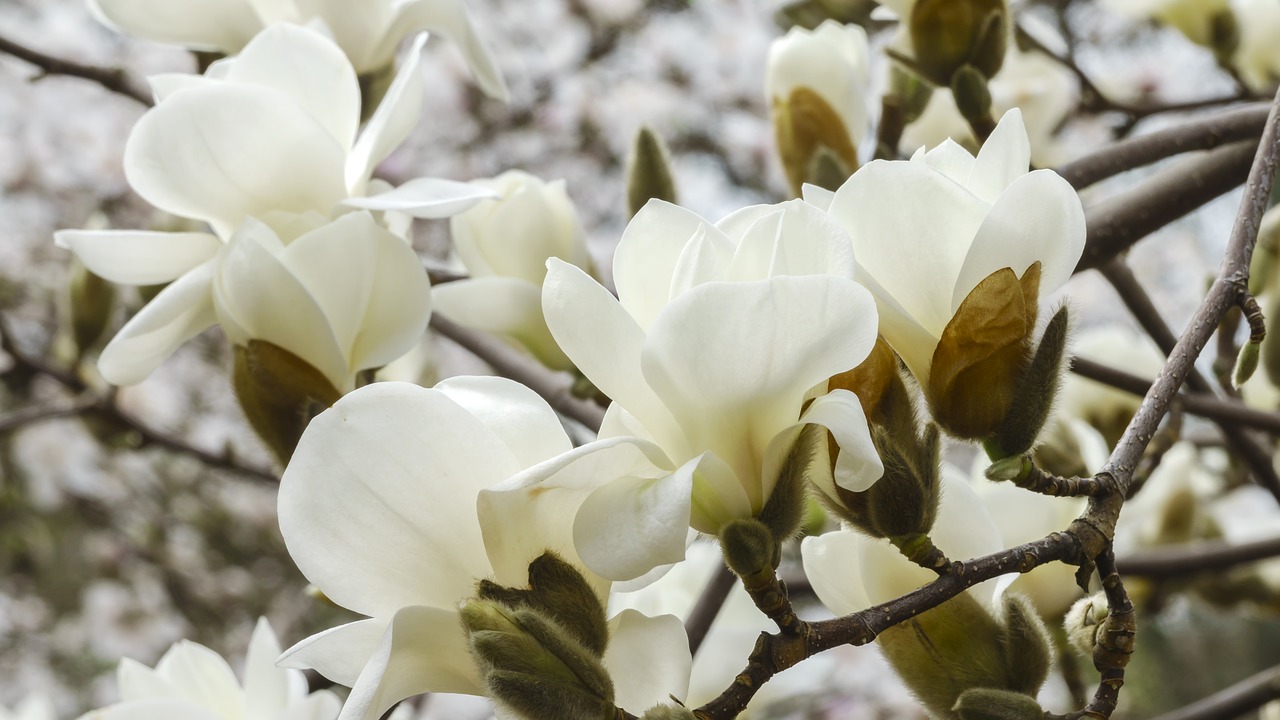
x=1207 y=556
x=1248 y=694
x=113 y=79
x=708 y=606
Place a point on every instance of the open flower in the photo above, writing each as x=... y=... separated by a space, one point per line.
x=817 y=86
x=1256 y=56
x=958 y=250
x=368 y=32
x=34 y=707
x=395 y=505
x=504 y=243
x=718 y=337
x=192 y=681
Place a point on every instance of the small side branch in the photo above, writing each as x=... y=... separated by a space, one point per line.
x=1201 y=557
x=1248 y=694
x=1021 y=471
x=113 y=79
x=708 y=606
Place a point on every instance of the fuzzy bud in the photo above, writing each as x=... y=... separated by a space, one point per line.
x=903 y=504
x=988 y=704
x=750 y=549
x=649 y=171
x=279 y=393
x=559 y=591
x=1084 y=621
x=949 y=34
x=668 y=712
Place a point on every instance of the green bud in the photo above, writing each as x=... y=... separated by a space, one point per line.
x=749 y=546
x=668 y=712
x=649 y=171
x=903 y=504
x=1009 y=469
x=1224 y=36
x=1028 y=649
x=785 y=509
x=973 y=97
x=1246 y=363
x=949 y=34
x=92 y=300
x=533 y=698
x=988 y=704
x=559 y=591
x=279 y=393
x=1084 y=621
x=1036 y=390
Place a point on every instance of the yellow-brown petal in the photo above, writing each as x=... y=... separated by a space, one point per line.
x=804 y=124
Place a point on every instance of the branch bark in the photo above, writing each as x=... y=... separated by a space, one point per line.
x=113 y=79
x=1207 y=556
x=1248 y=694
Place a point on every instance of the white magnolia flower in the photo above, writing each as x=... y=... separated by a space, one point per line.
x=504 y=244
x=344 y=295
x=816 y=83
x=397 y=502
x=929 y=231
x=369 y=32
x=35 y=706
x=851 y=571
x=1041 y=88
x=1193 y=18
x=719 y=335
x=1257 y=56
x=195 y=683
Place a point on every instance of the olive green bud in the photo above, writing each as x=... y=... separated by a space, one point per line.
x=949 y=34
x=558 y=591
x=649 y=171
x=1246 y=363
x=1028 y=649
x=973 y=98
x=1036 y=390
x=668 y=712
x=989 y=704
x=785 y=509
x=279 y=393
x=903 y=504
x=1084 y=621
x=750 y=549
x=92 y=300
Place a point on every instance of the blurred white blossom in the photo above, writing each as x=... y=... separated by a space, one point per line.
x=35 y=706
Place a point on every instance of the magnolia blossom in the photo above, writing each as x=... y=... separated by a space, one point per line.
x=34 y=707
x=816 y=83
x=369 y=32
x=1257 y=57
x=504 y=244
x=718 y=337
x=195 y=683
x=397 y=501
x=1193 y=18
x=930 y=230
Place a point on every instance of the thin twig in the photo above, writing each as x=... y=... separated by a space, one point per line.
x=33 y=415
x=510 y=363
x=708 y=606
x=1207 y=556
x=1248 y=694
x=113 y=79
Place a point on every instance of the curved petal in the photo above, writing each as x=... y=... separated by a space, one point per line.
x=319 y=705
x=268 y=689
x=913 y=343
x=398 y=306
x=377 y=506
x=831 y=564
x=818 y=196
x=516 y=414
x=795 y=238
x=704 y=258
x=308 y=67
x=633 y=524
x=449 y=18
x=136 y=681
x=166 y=84
x=733 y=361
x=201 y=677
x=1039 y=218
x=648 y=659
x=220 y=25
x=534 y=511
x=391 y=123
x=605 y=343
x=952 y=160
x=719 y=495
x=1004 y=157
x=338 y=653
x=176 y=315
x=858 y=465
x=423 y=650
x=645 y=262
x=226 y=152
x=356 y=27
x=507 y=306
x=153 y=709
x=428 y=198
x=138 y=257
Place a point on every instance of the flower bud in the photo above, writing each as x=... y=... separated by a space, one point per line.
x=279 y=393
x=559 y=591
x=1037 y=389
x=668 y=712
x=904 y=503
x=973 y=99
x=949 y=34
x=750 y=549
x=1246 y=363
x=816 y=83
x=1084 y=621
x=988 y=704
x=648 y=171
x=92 y=300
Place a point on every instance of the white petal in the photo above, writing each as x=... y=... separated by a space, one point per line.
x=718 y=494
x=138 y=257
x=1038 y=218
x=733 y=361
x=423 y=650
x=796 y=239
x=648 y=659
x=377 y=506
x=155 y=709
x=136 y=681
x=507 y=306
x=449 y=18
x=174 y=316
x=817 y=196
x=516 y=414
x=267 y=688
x=320 y=705
x=534 y=511
x=426 y=198
x=1004 y=157
x=605 y=343
x=223 y=25
x=831 y=564
x=338 y=653
x=645 y=262
x=911 y=227
x=308 y=67
x=907 y=337
x=166 y=84
x=226 y=152
x=391 y=123
x=356 y=27
x=201 y=676
x=953 y=161
x=858 y=465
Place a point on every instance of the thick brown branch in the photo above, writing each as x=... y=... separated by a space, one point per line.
x=113 y=79
x=1248 y=694
x=1207 y=556
x=510 y=363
